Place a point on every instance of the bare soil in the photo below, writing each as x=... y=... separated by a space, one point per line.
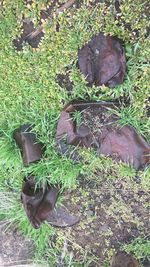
x=112 y=212
x=14 y=248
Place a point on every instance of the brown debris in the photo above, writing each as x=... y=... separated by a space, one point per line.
x=61 y=217
x=102 y=61
x=67 y=127
x=100 y=131
x=39 y=204
x=31 y=149
x=127 y=145
x=122 y=259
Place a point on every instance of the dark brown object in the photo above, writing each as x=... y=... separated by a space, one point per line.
x=61 y=217
x=121 y=143
x=102 y=61
x=31 y=149
x=125 y=144
x=39 y=203
x=122 y=259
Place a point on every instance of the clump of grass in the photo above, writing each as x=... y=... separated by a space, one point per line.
x=140 y=247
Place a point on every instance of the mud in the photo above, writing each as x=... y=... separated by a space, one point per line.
x=14 y=248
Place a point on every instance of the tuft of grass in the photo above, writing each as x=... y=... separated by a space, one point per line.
x=140 y=247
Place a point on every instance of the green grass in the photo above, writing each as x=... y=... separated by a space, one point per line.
x=29 y=93
x=140 y=247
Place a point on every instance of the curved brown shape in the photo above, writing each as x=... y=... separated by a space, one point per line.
x=102 y=61
x=122 y=259
x=38 y=202
x=125 y=144
x=121 y=143
x=31 y=149
x=61 y=217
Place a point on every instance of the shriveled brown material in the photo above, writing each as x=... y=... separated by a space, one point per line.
x=125 y=144
x=99 y=129
x=31 y=149
x=39 y=204
x=102 y=61
x=121 y=259
x=61 y=217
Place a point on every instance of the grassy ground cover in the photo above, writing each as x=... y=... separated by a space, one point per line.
x=30 y=93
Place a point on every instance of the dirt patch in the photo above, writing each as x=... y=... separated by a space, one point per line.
x=111 y=212
x=32 y=35
x=14 y=248
x=64 y=81
x=28 y=28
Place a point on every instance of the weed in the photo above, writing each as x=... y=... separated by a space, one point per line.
x=140 y=247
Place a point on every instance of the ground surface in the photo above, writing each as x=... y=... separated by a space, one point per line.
x=111 y=199
x=14 y=248
x=112 y=213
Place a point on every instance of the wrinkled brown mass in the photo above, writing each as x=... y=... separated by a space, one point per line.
x=102 y=61
x=61 y=217
x=39 y=204
x=31 y=149
x=121 y=259
x=99 y=130
x=125 y=144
